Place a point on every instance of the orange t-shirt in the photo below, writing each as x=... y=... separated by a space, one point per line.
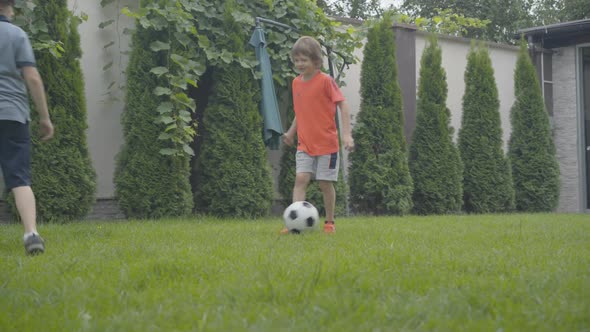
x=315 y=102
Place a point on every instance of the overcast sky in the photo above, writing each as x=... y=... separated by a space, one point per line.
x=386 y=3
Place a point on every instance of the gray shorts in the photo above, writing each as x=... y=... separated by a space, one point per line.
x=323 y=167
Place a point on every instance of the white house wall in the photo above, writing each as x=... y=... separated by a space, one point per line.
x=105 y=134
x=454 y=62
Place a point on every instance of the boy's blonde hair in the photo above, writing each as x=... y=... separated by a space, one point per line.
x=309 y=47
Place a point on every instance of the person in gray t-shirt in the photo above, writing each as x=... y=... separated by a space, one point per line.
x=17 y=73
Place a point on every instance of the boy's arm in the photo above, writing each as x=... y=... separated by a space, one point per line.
x=289 y=136
x=37 y=90
x=345 y=130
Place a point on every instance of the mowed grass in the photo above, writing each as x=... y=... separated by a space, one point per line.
x=442 y=273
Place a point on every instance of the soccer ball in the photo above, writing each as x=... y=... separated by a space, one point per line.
x=301 y=217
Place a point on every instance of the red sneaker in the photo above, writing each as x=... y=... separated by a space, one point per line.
x=284 y=231
x=329 y=227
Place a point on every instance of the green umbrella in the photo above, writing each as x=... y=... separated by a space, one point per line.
x=269 y=107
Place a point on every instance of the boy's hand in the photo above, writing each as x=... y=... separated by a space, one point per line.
x=288 y=139
x=348 y=142
x=45 y=129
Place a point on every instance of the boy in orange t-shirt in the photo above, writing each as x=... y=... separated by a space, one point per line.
x=315 y=97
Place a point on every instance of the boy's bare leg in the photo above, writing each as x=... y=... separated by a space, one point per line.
x=300 y=187
x=329 y=193
x=25 y=204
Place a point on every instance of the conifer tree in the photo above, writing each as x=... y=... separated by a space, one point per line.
x=233 y=177
x=148 y=183
x=64 y=180
x=487 y=180
x=531 y=149
x=434 y=161
x=379 y=177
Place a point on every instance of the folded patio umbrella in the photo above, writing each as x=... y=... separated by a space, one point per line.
x=269 y=107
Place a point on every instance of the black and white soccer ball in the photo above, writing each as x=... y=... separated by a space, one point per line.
x=301 y=217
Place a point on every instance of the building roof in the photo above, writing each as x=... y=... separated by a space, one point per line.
x=559 y=34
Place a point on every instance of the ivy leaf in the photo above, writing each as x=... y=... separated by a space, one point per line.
x=158 y=71
x=198 y=68
x=108 y=66
x=165 y=107
x=144 y=22
x=104 y=3
x=191 y=82
x=278 y=38
x=167 y=152
x=159 y=91
x=127 y=12
x=166 y=119
x=188 y=150
x=194 y=6
x=178 y=82
x=248 y=63
x=242 y=17
x=179 y=59
x=182 y=38
x=184 y=100
x=105 y=24
x=108 y=45
x=159 y=46
x=226 y=56
x=31 y=5
x=204 y=41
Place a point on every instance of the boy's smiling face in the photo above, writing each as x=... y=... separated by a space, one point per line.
x=304 y=65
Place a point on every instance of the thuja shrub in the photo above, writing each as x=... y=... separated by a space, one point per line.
x=434 y=161
x=148 y=183
x=232 y=174
x=531 y=149
x=487 y=179
x=380 y=181
x=64 y=180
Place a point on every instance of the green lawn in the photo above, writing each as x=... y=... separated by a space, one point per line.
x=451 y=273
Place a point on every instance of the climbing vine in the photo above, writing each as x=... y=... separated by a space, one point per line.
x=446 y=22
x=26 y=17
x=191 y=29
x=116 y=87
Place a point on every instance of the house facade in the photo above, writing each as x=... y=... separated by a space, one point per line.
x=561 y=53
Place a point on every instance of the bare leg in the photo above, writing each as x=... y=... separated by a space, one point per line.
x=327 y=188
x=300 y=187
x=25 y=204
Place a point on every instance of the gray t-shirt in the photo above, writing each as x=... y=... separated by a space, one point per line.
x=15 y=53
